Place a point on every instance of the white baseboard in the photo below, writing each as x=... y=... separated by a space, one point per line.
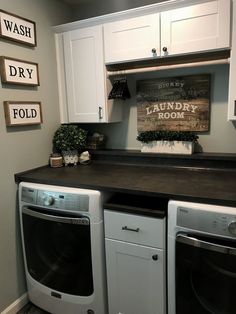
x=16 y=305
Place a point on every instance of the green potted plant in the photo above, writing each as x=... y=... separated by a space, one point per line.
x=69 y=140
x=170 y=142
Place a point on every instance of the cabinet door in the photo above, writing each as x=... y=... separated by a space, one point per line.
x=135 y=278
x=232 y=72
x=85 y=76
x=201 y=27
x=132 y=39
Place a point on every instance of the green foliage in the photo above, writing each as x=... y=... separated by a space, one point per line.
x=69 y=137
x=149 y=136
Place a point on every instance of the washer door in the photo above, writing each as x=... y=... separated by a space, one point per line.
x=205 y=275
x=58 y=250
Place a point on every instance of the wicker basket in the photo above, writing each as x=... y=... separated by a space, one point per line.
x=96 y=142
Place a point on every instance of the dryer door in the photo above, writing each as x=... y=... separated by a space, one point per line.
x=205 y=275
x=58 y=250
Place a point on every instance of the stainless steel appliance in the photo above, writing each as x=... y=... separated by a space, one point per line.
x=201 y=258
x=63 y=246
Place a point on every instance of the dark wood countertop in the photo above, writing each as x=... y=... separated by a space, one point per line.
x=207 y=185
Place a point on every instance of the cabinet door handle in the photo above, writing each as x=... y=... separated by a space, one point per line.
x=100 y=112
x=130 y=229
x=164 y=49
x=154 y=50
x=155 y=257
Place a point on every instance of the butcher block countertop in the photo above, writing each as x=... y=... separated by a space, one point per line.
x=207 y=178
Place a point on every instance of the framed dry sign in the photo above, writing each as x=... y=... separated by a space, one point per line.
x=15 y=71
x=17 y=28
x=174 y=103
x=22 y=113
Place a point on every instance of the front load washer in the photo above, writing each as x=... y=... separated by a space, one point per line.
x=63 y=248
x=201 y=248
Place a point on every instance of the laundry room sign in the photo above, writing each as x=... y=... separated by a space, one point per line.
x=15 y=71
x=174 y=104
x=22 y=113
x=17 y=28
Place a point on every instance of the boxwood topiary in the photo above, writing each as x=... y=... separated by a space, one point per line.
x=69 y=137
x=149 y=136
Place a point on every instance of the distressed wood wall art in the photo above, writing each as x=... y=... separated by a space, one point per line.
x=22 y=113
x=174 y=104
x=15 y=71
x=17 y=28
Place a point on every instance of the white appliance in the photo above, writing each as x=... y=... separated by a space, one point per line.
x=63 y=247
x=201 y=258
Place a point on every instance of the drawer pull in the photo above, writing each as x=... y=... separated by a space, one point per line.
x=130 y=229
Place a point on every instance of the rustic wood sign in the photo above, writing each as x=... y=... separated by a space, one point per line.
x=22 y=113
x=174 y=104
x=15 y=71
x=17 y=28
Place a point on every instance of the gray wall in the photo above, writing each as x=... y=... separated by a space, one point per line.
x=222 y=135
x=25 y=147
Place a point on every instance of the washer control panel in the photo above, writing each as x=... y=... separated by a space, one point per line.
x=57 y=200
x=213 y=222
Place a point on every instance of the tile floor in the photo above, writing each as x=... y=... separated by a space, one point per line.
x=30 y=308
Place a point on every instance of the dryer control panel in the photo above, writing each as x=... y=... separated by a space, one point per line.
x=211 y=222
x=57 y=200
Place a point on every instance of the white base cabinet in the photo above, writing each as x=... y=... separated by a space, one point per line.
x=135 y=278
x=135 y=262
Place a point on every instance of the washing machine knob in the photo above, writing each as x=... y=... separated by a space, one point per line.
x=232 y=228
x=48 y=200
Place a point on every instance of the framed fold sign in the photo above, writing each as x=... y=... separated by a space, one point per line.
x=16 y=28
x=22 y=113
x=15 y=71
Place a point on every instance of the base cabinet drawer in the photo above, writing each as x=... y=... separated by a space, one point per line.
x=135 y=229
x=135 y=278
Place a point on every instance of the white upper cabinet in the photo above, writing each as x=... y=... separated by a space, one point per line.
x=232 y=72
x=85 y=78
x=132 y=39
x=84 y=74
x=196 y=28
x=190 y=29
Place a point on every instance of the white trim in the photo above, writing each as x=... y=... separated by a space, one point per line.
x=16 y=305
x=167 y=67
x=147 y=9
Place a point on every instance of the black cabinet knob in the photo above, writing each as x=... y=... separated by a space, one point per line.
x=155 y=257
x=154 y=50
x=164 y=49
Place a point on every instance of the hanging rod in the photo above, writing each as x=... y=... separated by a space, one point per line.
x=168 y=67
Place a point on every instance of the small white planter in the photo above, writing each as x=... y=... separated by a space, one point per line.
x=168 y=147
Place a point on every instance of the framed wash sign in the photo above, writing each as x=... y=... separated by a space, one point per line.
x=22 y=113
x=17 y=28
x=174 y=104
x=15 y=71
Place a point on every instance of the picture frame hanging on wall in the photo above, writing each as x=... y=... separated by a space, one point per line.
x=179 y=103
x=19 y=113
x=17 y=28
x=21 y=72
